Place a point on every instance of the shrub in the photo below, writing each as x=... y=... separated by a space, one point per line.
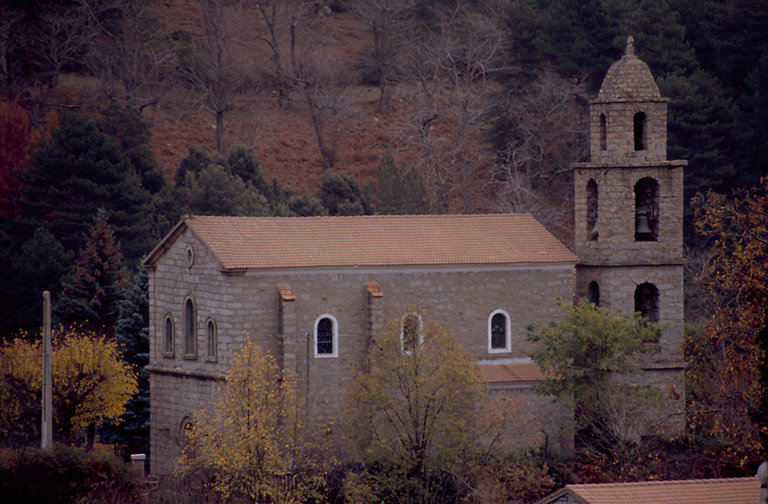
x=64 y=474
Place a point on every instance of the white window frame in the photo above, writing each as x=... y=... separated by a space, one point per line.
x=507 y=327
x=335 y=333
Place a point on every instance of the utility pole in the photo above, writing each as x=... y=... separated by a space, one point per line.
x=46 y=440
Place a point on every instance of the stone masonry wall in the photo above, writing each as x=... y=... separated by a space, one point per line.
x=616 y=214
x=620 y=131
x=248 y=305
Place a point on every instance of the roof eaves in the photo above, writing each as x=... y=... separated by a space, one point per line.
x=189 y=219
x=558 y=494
x=152 y=258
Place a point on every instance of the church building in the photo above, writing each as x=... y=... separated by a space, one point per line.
x=314 y=291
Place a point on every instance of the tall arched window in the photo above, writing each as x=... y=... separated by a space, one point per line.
x=638 y=123
x=410 y=332
x=190 y=328
x=210 y=340
x=593 y=292
x=592 y=209
x=647 y=210
x=499 y=339
x=326 y=336
x=603 y=132
x=647 y=301
x=168 y=335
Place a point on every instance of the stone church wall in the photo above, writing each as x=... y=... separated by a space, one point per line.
x=248 y=305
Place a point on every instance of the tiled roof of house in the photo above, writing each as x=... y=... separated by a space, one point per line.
x=510 y=372
x=706 y=491
x=280 y=242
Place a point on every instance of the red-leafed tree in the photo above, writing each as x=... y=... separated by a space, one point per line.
x=17 y=136
x=727 y=358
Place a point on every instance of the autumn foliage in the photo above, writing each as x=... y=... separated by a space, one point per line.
x=17 y=137
x=90 y=384
x=726 y=357
x=250 y=444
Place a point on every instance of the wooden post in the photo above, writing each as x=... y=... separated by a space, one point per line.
x=46 y=440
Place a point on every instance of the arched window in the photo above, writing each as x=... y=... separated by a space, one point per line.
x=326 y=336
x=499 y=332
x=592 y=209
x=410 y=332
x=168 y=335
x=183 y=431
x=638 y=123
x=647 y=301
x=646 y=210
x=593 y=291
x=190 y=328
x=210 y=340
x=603 y=132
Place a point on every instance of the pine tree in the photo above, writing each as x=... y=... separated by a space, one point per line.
x=341 y=195
x=91 y=295
x=395 y=191
x=78 y=171
x=131 y=429
x=32 y=267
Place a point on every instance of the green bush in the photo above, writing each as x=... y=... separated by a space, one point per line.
x=64 y=475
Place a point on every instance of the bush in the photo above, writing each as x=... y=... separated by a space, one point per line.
x=64 y=474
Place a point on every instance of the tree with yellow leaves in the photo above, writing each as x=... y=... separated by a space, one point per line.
x=727 y=370
x=418 y=419
x=249 y=444
x=90 y=384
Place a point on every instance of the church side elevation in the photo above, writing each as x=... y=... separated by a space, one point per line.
x=314 y=291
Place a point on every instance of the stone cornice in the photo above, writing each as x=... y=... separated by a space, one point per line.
x=177 y=371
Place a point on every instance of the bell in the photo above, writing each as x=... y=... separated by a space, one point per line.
x=594 y=233
x=643 y=230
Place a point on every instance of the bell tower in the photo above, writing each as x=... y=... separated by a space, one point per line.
x=629 y=208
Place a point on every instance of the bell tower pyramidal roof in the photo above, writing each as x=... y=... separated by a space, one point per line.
x=629 y=79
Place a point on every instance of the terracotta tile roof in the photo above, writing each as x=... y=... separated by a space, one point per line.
x=374 y=290
x=286 y=293
x=510 y=372
x=278 y=242
x=709 y=491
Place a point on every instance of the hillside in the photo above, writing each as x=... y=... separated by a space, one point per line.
x=283 y=139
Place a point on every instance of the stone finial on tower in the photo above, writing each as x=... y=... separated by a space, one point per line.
x=630 y=46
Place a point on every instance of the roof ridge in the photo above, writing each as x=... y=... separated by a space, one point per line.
x=662 y=482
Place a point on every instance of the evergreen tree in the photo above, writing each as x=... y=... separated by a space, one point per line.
x=394 y=191
x=32 y=267
x=131 y=429
x=92 y=292
x=217 y=191
x=300 y=205
x=197 y=159
x=243 y=163
x=341 y=195
x=575 y=38
x=78 y=171
x=132 y=132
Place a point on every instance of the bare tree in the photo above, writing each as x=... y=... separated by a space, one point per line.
x=214 y=65
x=388 y=22
x=450 y=69
x=324 y=86
x=281 y=22
x=547 y=133
x=61 y=37
x=13 y=38
x=131 y=57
